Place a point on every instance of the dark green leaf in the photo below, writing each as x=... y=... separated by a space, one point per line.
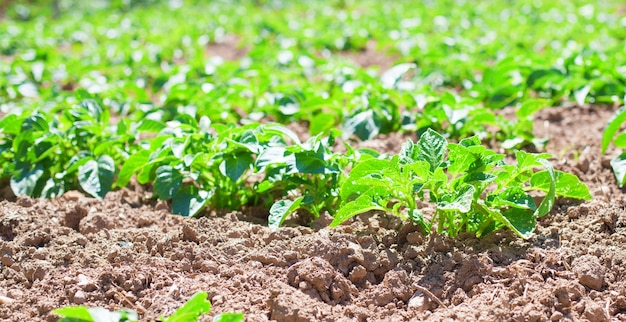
x=25 y=182
x=168 y=181
x=96 y=176
x=235 y=165
x=189 y=200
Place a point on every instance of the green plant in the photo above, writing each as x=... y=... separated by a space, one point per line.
x=196 y=306
x=473 y=189
x=618 y=163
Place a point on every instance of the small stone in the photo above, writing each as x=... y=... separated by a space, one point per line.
x=80 y=297
x=418 y=302
x=357 y=274
x=595 y=312
x=589 y=271
x=556 y=316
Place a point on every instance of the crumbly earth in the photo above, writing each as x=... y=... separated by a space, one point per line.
x=129 y=252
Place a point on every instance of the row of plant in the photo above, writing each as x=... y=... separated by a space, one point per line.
x=197 y=164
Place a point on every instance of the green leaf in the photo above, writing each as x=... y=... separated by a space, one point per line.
x=96 y=176
x=515 y=197
x=364 y=125
x=461 y=200
x=151 y=126
x=192 y=309
x=321 y=123
x=25 y=183
x=360 y=205
x=523 y=221
x=612 y=126
x=95 y=314
x=567 y=184
x=229 y=317
x=167 y=182
x=548 y=201
x=280 y=210
x=235 y=165
x=620 y=140
x=530 y=107
x=189 y=200
x=618 y=164
x=135 y=162
x=432 y=148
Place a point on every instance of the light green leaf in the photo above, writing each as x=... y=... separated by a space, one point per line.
x=548 y=201
x=360 y=205
x=280 y=210
x=134 y=163
x=229 y=317
x=612 y=126
x=432 y=148
x=96 y=176
x=461 y=201
x=515 y=197
x=192 y=309
x=567 y=184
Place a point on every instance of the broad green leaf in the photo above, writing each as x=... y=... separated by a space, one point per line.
x=360 y=205
x=280 y=210
x=151 y=126
x=567 y=184
x=192 y=309
x=189 y=200
x=36 y=122
x=618 y=164
x=167 y=182
x=515 y=197
x=432 y=148
x=229 y=317
x=52 y=189
x=460 y=201
x=321 y=123
x=613 y=125
x=94 y=314
x=460 y=159
x=522 y=220
x=310 y=162
x=620 y=140
x=25 y=182
x=96 y=176
x=235 y=165
x=548 y=201
x=530 y=107
x=134 y=163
